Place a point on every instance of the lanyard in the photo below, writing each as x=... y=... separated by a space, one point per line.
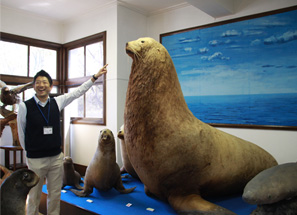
x=48 y=114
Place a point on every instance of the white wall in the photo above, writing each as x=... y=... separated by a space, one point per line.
x=190 y=16
x=281 y=144
x=24 y=24
x=82 y=140
x=122 y=25
x=131 y=25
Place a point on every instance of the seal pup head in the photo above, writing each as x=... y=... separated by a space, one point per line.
x=68 y=163
x=14 y=191
x=67 y=159
x=23 y=179
x=121 y=133
x=106 y=140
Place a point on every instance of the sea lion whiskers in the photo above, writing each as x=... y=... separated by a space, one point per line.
x=136 y=54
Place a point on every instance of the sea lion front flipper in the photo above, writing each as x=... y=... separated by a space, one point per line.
x=120 y=187
x=78 y=186
x=79 y=180
x=82 y=193
x=193 y=204
x=79 y=193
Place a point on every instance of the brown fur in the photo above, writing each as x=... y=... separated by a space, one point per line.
x=127 y=166
x=70 y=176
x=14 y=191
x=175 y=155
x=103 y=172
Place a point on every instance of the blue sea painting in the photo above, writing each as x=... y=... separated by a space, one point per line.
x=242 y=72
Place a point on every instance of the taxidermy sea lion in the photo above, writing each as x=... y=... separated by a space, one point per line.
x=103 y=172
x=176 y=156
x=14 y=191
x=70 y=176
x=274 y=190
x=127 y=166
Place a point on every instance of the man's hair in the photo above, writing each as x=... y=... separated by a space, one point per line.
x=44 y=74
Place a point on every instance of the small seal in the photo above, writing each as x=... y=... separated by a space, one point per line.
x=178 y=157
x=127 y=166
x=14 y=191
x=103 y=172
x=70 y=176
x=274 y=190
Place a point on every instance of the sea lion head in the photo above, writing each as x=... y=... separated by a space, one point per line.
x=28 y=178
x=146 y=49
x=22 y=179
x=121 y=133
x=67 y=161
x=15 y=190
x=106 y=140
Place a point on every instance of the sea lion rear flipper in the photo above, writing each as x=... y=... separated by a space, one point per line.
x=120 y=187
x=78 y=186
x=82 y=193
x=194 y=205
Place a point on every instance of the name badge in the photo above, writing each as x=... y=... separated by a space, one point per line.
x=47 y=130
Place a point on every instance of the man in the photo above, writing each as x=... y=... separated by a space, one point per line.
x=39 y=134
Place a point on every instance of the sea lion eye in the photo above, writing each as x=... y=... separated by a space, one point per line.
x=25 y=176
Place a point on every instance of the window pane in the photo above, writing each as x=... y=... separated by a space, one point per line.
x=76 y=108
x=94 y=102
x=13 y=59
x=41 y=58
x=76 y=63
x=94 y=58
x=29 y=93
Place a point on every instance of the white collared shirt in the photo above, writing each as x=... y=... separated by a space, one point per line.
x=62 y=102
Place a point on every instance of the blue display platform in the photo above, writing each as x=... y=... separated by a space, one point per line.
x=114 y=203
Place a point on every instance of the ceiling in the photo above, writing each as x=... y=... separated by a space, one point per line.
x=62 y=10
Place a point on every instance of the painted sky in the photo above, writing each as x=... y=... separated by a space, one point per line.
x=255 y=56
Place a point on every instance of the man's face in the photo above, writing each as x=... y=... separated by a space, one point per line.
x=42 y=87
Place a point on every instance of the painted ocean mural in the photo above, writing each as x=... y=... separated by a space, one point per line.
x=243 y=72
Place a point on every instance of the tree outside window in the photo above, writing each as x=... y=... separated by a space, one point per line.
x=84 y=58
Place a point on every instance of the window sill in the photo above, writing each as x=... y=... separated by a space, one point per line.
x=87 y=121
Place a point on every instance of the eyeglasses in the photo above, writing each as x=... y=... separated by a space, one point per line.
x=42 y=82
